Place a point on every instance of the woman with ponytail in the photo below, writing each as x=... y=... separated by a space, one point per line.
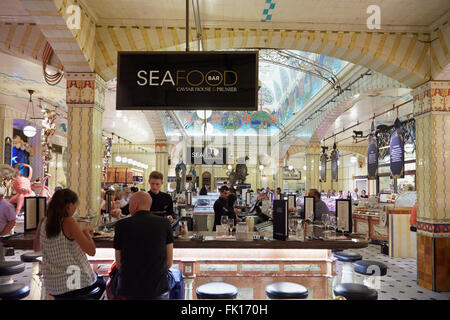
x=66 y=269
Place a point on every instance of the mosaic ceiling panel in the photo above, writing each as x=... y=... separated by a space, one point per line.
x=283 y=91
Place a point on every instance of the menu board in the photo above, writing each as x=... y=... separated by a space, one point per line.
x=35 y=208
x=291 y=201
x=310 y=207
x=372 y=158
x=397 y=155
x=344 y=215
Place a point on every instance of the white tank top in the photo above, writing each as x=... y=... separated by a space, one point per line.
x=65 y=266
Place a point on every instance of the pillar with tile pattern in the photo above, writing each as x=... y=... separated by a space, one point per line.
x=85 y=101
x=432 y=115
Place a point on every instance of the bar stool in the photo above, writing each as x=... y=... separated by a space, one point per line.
x=371 y=270
x=8 y=289
x=286 y=290
x=216 y=290
x=355 y=291
x=347 y=257
x=37 y=291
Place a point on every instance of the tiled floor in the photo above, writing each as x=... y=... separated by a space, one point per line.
x=398 y=284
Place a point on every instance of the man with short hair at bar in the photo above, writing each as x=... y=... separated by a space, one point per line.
x=144 y=251
x=162 y=203
x=320 y=206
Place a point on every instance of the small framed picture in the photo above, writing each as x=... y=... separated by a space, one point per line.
x=344 y=215
x=310 y=207
x=291 y=201
x=35 y=208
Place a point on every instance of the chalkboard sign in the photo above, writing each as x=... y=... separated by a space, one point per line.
x=8 y=151
x=35 y=208
x=397 y=155
x=310 y=207
x=372 y=158
x=344 y=215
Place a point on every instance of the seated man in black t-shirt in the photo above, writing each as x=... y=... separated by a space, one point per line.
x=144 y=251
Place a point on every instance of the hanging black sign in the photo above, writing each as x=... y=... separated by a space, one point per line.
x=208 y=155
x=323 y=167
x=187 y=80
x=334 y=163
x=397 y=154
x=372 y=155
x=8 y=151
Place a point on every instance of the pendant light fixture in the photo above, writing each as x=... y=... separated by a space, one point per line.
x=30 y=130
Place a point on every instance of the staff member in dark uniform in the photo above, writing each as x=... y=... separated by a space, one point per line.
x=162 y=204
x=221 y=206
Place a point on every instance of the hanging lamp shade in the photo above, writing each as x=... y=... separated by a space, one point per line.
x=29 y=131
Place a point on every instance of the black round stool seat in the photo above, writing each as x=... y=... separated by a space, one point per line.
x=355 y=291
x=286 y=290
x=217 y=290
x=370 y=267
x=347 y=256
x=94 y=294
x=13 y=291
x=31 y=256
x=9 y=268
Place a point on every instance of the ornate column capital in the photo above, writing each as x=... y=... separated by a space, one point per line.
x=431 y=96
x=85 y=90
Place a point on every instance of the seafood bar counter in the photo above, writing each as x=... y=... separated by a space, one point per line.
x=248 y=264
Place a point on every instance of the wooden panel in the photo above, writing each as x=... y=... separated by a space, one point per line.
x=425 y=261
x=442 y=268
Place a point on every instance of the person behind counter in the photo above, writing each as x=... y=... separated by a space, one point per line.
x=143 y=247
x=320 y=206
x=162 y=203
x=204 y=191
x=364 y=194
x=64 y=246
x=221 y=206
x=7 y=215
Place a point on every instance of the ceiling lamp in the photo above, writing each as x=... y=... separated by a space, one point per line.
x=353 y=159
x=261 y=167
x=124 y=160
x=118 y=159
x=204 y=114
x=230 y=167
x=290 y=168
x=209 y=128
x=29 y=130
x=304 y=168
x=130 y=161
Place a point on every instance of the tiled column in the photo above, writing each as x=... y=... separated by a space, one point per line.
x=162 y=158
x=312 y=166
x=432 y=115
x=85 y=100
x=36 y=159
x=6 y=129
